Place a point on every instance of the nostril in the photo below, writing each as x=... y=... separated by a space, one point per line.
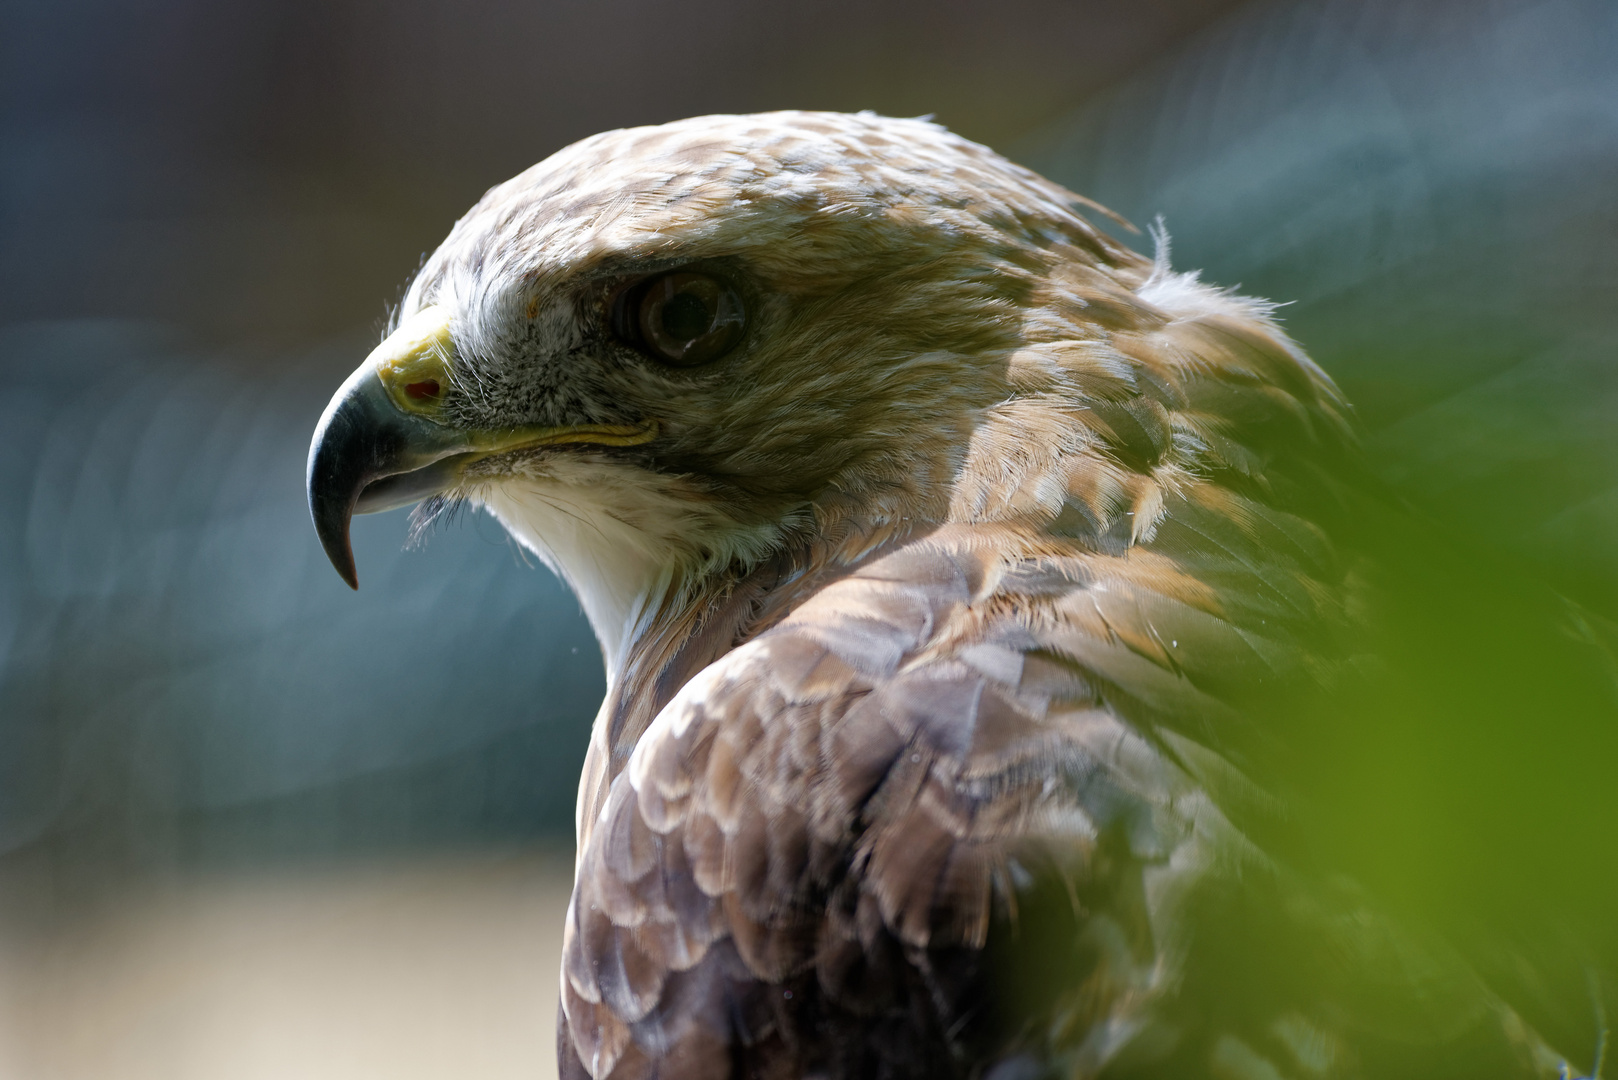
x=420 y=391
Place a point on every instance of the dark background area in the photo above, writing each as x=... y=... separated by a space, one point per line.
x=206 y=208
x=272 y=170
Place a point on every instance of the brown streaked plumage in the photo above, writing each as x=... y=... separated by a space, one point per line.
x=950 y=622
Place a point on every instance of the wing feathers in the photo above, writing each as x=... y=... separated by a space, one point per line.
x=839 y=793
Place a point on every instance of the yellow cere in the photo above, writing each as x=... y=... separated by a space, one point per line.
x=413 y=363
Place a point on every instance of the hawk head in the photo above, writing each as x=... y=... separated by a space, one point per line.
x=667 y=352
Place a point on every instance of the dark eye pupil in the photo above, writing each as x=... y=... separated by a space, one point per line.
x=683 y=318
x=686 y=316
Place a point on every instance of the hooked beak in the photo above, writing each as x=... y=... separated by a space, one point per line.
x=384 y=441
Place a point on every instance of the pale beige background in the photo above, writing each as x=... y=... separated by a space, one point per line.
x=439 y=967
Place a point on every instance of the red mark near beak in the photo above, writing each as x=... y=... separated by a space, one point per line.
x=420 y=391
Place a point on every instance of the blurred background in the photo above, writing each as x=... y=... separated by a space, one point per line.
x=255 y=825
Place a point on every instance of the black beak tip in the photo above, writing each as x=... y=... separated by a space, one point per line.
x=345 y=567
x=361 y=438
x=335 y=479
x=331 y=525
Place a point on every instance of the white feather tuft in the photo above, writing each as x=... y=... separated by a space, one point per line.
x=1184 y=295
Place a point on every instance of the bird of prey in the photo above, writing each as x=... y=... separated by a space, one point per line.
x=963 y=578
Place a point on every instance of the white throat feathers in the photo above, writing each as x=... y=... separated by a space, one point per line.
x=626 y=541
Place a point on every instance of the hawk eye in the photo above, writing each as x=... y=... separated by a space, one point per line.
x=682 y=318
